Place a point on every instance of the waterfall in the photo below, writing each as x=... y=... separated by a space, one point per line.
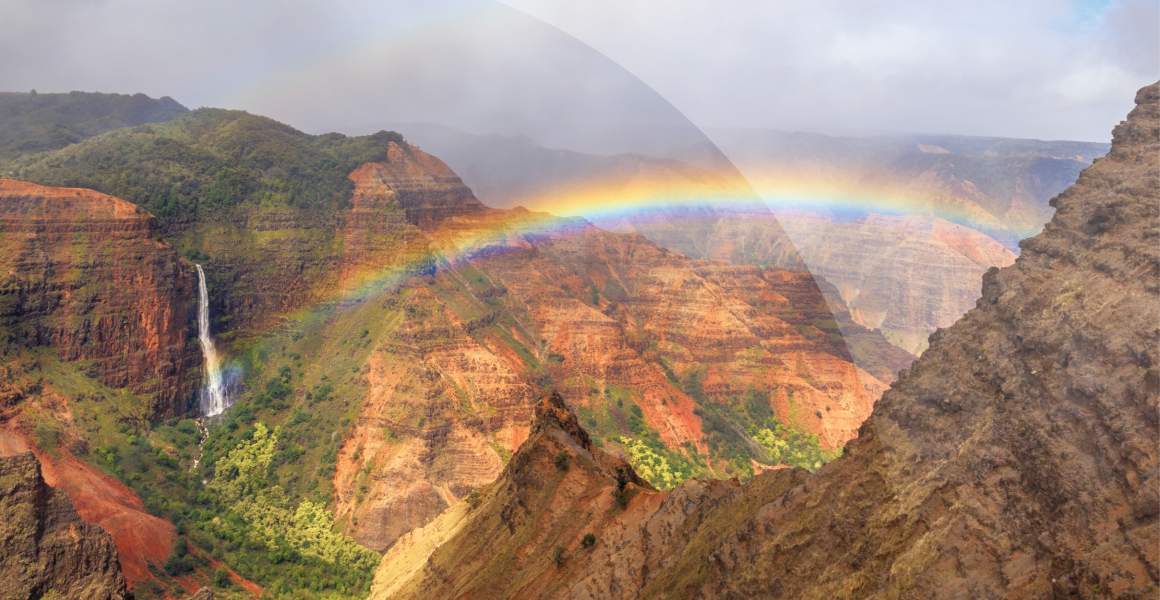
x=213 y=398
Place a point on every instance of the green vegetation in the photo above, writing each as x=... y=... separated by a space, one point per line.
x=35 y=122
x=206 y=163
x=622 y=493
x=620 y=420
x=791 y=447
x=263 y=510
x=242 y=484
x=652 y=464
x=746 y=430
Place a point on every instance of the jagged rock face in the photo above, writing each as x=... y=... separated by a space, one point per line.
x=1016 y=458
x=745 y=327
x=45 y=549
x=439 y=403
x=556 y=477
x=904 y=275
x=143 y=541
x=84 y=274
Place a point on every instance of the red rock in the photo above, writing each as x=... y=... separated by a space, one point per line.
x=83 y=272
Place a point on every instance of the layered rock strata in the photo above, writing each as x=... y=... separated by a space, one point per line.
x=83 y=273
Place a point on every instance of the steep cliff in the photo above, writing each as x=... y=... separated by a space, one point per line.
x=272 y=213
x=84 y=274
x=421 y=184
x=45 y=549
x=1016 y=457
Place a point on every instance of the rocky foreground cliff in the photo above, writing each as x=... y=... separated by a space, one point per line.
x=1017 y=457
x=46 y=551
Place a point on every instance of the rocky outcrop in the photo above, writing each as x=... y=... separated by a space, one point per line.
x=83 y=273
x=45 y=549
x=1015 y=458
x=557 y=477
x=143 y=541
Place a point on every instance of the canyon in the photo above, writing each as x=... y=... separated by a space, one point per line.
x=1016 y=457
x=906 y=276
x=389 y=332
x=958 y=206
x=509 y=403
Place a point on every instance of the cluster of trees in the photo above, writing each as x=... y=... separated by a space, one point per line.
x=791 y=447
x=651 y=464
x=242 y=483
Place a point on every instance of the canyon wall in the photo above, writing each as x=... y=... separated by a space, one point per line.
x=904 y=275
x=1016 y=457
x=646 y=343
x=84 y=274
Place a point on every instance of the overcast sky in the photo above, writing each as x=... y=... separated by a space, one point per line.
x=1035 y=68
x=1026 y=68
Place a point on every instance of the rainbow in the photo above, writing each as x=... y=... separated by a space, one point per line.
x=574 y=209
x=768 y=188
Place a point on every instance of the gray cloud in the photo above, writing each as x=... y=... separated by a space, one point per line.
x=1036 y=68
x=1020 y=69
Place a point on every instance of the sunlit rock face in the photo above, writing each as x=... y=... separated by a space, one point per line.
x=612 y=321
x=83 y=273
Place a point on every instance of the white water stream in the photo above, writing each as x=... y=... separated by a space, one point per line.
x=214 y=399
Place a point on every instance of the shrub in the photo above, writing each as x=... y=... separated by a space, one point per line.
x=588 y=541
x=563 y=461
